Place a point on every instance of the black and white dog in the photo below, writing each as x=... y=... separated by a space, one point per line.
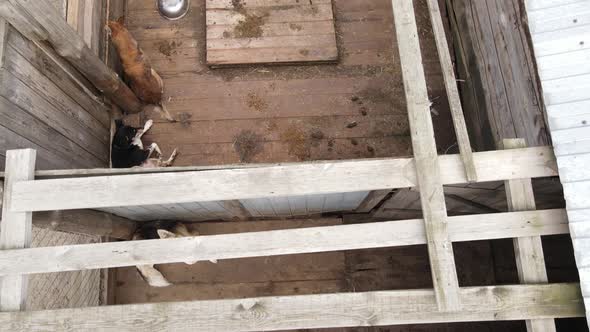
x=128 y=150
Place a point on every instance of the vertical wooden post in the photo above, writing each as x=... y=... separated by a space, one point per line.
x=440 y=248
x=16 y=227
x=446 y=63
x=528 y=251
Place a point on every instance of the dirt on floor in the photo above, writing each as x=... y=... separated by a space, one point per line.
x=247 y=145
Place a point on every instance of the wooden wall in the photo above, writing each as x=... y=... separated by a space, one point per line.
x=46 y=105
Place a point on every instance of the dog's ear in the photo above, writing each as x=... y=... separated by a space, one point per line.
x=164 y=234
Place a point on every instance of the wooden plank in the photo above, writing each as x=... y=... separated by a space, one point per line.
x=21 y=68
x=47 y=159
x=561 y=41
x=559 y=18
x=500 y=92
x=452 y=90
x=533 y=5
x=440 y=249
x=528 y=251
x=372 y=200
x=16 y=227
x=245 y=33
x=313 y=311
x=3 y=40
x=18 y=93
x=52 y=146
x=282 y=242
x=42 y=22
x=289 y=180
x=62 y=74
x=86 y=222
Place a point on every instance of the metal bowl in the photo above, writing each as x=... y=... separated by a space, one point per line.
x=173 y=9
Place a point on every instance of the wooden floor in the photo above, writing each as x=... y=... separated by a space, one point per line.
x=353 y=109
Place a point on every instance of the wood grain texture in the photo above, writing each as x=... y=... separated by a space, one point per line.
x=271 y=243
x=440 y=249
x=448 y=70
x=240 y=33
x=372 y=200
x=501 y=94
x=266 y=182
x=312 y=311
x=528 y=251
x=16 y=228
x=44 y=23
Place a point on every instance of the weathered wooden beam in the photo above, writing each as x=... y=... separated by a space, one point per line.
x=280 y=242
x=270 y=181
x=491 y=303
x=41 y=22
x=16 y=227
x=372 y=200
x=440 y=249
x=501 y=94
x=528 y=251
x=86 y=222
x=446 y=63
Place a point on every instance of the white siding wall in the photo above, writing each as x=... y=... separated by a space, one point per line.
x=278 y=207
x=561 y=37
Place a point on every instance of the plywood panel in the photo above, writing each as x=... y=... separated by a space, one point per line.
x=246 y=32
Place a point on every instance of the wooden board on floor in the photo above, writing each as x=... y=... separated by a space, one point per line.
x=287 y=31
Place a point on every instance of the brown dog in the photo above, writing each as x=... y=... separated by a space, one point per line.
x=144 y=80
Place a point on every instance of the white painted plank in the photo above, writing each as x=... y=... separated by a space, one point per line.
x=580 y=229
x=562 y=41
x=533 y=5
x=564 y=65
x=315 y=203
x=569 y=122
x=581 y=146
x=566 y=90
x=333 y=203
x=581 y=250
x=574 y=167
x=16 y=227
x=490 y=303
x=559 y=18
x=571 y=135
x=298 y=205
x=578 y=215
x=280 y=206
x=577 y=194
x=440 y=249
x=295 y=180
